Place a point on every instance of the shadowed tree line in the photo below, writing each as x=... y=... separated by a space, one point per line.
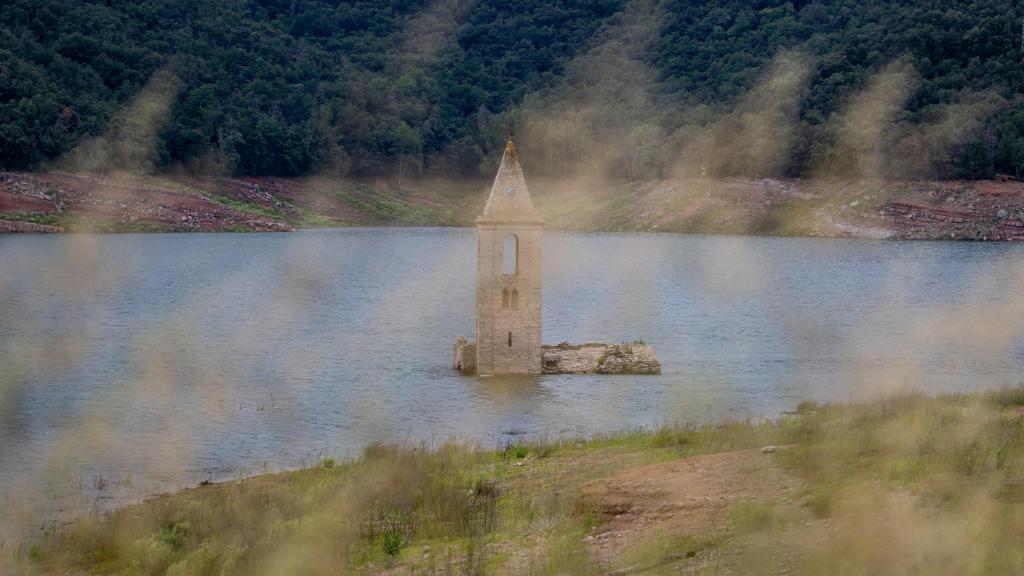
x=403 y=88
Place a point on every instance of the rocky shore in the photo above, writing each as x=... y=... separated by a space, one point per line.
x=57 y=202
x=17 y=226
x=991 y=210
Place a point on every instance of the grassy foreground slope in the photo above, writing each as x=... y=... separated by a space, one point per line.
x=908 y=484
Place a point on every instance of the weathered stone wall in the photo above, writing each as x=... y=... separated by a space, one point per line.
x=497 y=325
x=464 y=356
x=601 y=359
x=567 y=358
x=570 y=359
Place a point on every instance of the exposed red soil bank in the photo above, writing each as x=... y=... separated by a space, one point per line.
x=932 y=210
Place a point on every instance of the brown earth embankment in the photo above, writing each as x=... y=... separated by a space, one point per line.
x=919 y=210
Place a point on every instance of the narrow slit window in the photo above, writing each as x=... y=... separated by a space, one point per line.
x=504 y=298
x=510 y=256
x=515 y=299
x=510 y=339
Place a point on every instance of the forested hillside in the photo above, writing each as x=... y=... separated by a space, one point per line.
x=626 y=88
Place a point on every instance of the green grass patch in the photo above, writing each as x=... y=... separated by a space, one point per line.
x=748 y=516
x=904 y=471
x=246 y=207
x=46 y=218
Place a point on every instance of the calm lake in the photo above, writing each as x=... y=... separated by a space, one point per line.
x=134 y=364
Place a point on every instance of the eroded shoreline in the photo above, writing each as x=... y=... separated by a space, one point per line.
x=990 y=210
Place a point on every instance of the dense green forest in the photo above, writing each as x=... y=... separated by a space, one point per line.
x=628 y=88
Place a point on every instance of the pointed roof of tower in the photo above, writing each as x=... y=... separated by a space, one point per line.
x=509 y=200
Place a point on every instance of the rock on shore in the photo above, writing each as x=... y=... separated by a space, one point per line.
x=12 y=226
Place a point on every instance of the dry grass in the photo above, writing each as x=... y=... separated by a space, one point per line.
x=905 y=485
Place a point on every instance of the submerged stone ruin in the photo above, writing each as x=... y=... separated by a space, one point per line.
x=508 y=297
x=565 y=358
x=594 y=358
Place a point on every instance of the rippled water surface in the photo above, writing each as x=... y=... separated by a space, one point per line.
x=133 y=364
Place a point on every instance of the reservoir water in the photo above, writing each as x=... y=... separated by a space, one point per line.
x=135 y=364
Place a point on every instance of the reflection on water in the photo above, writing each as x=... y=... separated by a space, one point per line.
x=133 y=364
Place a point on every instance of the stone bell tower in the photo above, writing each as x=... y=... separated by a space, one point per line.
x=508 y=276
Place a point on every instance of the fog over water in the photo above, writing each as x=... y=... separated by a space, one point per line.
x=136 y=364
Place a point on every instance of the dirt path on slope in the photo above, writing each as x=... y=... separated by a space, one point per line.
x=689 y=496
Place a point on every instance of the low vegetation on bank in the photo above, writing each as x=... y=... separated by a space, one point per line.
x=81 y=202
x=909 y=484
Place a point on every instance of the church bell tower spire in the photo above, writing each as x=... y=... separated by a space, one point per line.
x=508 y=275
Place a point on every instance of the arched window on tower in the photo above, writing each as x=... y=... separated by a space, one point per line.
x=504 y=298
x=515 y=299
x=510 y=256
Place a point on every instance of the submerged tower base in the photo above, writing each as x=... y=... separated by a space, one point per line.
x=464 y=356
